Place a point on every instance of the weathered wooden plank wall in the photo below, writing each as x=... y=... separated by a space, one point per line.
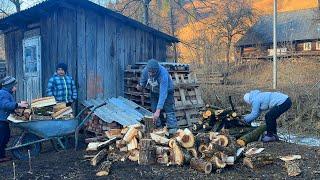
x=96 y=47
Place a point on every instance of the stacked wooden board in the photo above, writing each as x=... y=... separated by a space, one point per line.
x=187 y=94
x=43 y=109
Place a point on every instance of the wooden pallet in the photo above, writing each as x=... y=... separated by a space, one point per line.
x=187 y=94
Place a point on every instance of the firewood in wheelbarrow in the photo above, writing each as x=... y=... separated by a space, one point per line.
x=62 y=112
x=43 y=102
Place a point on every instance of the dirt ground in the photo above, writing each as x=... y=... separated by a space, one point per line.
x=70 y=164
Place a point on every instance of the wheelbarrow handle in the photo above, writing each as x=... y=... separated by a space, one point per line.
x=83 y=110
x=85 y=120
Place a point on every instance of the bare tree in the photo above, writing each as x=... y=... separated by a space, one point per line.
x=234 y=18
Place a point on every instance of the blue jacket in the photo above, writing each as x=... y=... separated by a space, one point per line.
x=161 y=84
x=62 y=88
x=261 y=101
x=7 y=104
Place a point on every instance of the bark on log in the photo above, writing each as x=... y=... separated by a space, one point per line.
x=106 y=143
x=201 y=165
x=259 y=160
x=149 y=125
x=251 y=136
x=147 y=153
x=202 y=148
x=202 y=138
x=193 y=152
x=292 y=168
x=226 y=150
x=176 y=154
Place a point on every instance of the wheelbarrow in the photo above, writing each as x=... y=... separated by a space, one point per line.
x=34 y=132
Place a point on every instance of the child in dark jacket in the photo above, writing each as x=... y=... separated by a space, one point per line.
x=7 y=106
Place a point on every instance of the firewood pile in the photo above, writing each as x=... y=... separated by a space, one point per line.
x=187 y=94
x=43 y=109
x=203 y=151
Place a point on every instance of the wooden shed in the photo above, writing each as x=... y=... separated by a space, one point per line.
x=95 y=42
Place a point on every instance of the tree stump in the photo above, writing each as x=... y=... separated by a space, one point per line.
x=147 y=152
x=149 y=125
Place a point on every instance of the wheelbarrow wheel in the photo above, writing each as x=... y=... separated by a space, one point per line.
x=22 y=153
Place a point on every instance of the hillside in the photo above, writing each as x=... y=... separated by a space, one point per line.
x=266 y=6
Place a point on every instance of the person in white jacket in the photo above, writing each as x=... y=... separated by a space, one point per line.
x=276 y=102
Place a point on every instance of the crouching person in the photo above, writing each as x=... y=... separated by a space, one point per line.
x=7 y=106
x=162 y=99
x=277 y=103
x=62 y=86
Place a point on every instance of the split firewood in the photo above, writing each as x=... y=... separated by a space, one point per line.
x=123 y=149
x=217 y=163
x=132 y=132
x=177 y=155
x=93 y=146
x=43 y=102
x=201 y=165
x=159 y=139
x=140 y=135
x=193 y=152
x=102 y=154
x=124 y=130
x=259 y=160
x=253 y=151
x=62 y=112
x=134 y=155
x=106 y=143
x=88 y=156
x=133 y=144
x=111 y=133
x=59 y=106
x=120 y=144
x=104 y=168
x=251 y=136
x=27 y=113
x=292 y=168
x=162 y=154
x=186 y=138
x=230 y=160
x=161 y=132
x=171 y=142
x=290 y=157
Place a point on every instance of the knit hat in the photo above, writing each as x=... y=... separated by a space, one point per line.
x=8 y=82
x=153 y=65
x=246 y=98
x=62 y=66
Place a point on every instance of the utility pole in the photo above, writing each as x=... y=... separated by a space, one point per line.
x=146 y=12
x=274 y=44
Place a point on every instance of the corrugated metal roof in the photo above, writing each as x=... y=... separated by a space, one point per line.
x=291 y=26
x=120 y=110
x=34 y=13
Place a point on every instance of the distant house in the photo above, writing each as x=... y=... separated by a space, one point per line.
x=298 y=34
x=96 y=43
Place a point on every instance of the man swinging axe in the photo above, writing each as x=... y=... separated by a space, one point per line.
x=162 y=99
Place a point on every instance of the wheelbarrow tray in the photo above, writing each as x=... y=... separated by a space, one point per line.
x=49 y=128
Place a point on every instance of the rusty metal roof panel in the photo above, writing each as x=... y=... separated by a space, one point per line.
x=120 y=110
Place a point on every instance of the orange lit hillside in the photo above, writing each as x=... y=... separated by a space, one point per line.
x=266 y=6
